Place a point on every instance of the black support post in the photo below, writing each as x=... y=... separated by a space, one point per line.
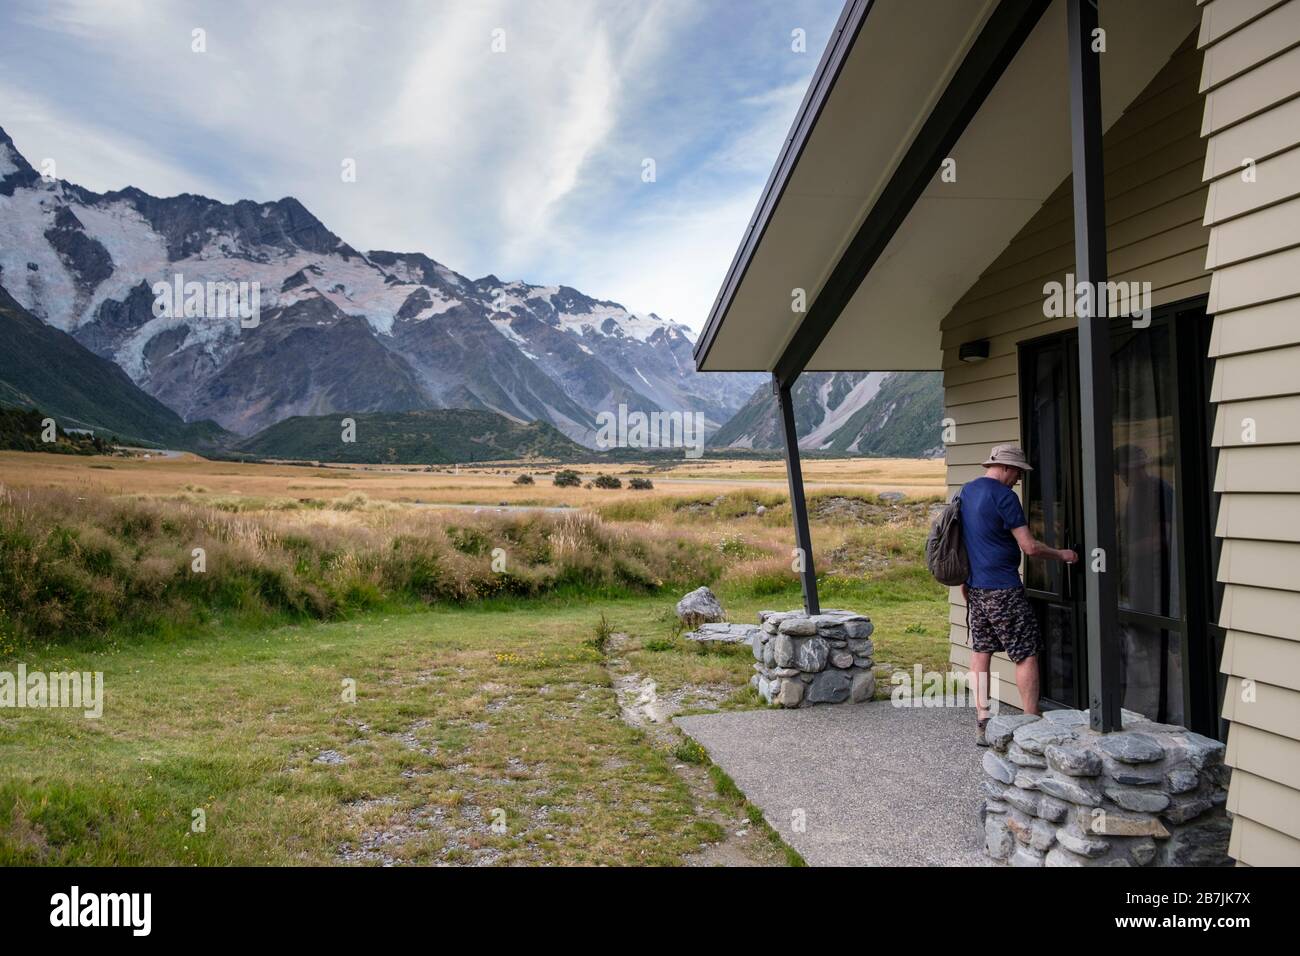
x=1099 y=555
x=798 y=504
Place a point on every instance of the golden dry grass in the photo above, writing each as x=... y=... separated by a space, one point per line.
x=483 y=485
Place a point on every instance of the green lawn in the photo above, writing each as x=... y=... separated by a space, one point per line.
x=497 y=713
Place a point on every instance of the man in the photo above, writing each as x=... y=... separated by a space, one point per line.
x=996 y=533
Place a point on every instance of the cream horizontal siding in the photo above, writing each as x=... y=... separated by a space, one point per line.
x=1267 y=86
x=1251 y=77
x=1153 y=158
x=1218 y=20
x=1273 y=469
x=1260 y=517
x=1270 y=611
x=1258 y=657
x=1255 y=329
x=1273 y=805
x=1256 y=845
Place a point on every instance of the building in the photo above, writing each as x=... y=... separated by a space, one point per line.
x=963 y=179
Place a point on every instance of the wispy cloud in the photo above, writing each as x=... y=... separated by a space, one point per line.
x=525 y=161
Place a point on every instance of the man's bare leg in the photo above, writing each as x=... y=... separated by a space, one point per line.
x=1027 y=683
x=979 y=665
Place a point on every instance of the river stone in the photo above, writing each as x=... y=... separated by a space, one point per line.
x=810 y=655
x=1142 y=801
x=798 y=627
x=997 y=768
x=1132 y=775
x=791 y=694
x=1059 y=856
x=863 y=661
x=858 y=630
x=1036 y=737
x=1132 y=747
x=1042 y=835
x=785 y=672
x=1019 y=824
x=1181 y=781
x=1143 y=851
x=1118 y=823
x=1049 y=808
x=1202 y=751
x=828 y=625
x=1073 y=760
x=1000 y=729
x=783 y=651
x=1022 y=800
x=769 y=653
x=852 y=622
x=764 y=688
x=769 y=627
x=992 y=788
x=699 y=607
x=1131 y=718
x=863 y=687
x=862 y=647
x=724 y=634
x=760 y=643
x=1078 y=842
x=1027 y=778
x=1022 y=758
x=841 y=659
x=1185 y=809
x=1067 y=718
x=1025 y=856
x=829 y=687
x=993 y=806
x=998 y=841
x=1070 y=791
x=1199 y=844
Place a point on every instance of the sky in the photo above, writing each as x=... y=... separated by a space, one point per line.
x=511 y=137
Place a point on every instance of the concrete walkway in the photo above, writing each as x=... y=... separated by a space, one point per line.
x=878 y=785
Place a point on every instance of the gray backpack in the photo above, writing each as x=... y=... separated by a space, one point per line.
x=945 y=552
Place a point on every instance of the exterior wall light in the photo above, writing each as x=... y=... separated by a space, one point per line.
x=976 y=351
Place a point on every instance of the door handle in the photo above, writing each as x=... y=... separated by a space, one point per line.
x=1068 y=571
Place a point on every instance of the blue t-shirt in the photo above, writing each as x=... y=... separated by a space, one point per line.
x=989 y=512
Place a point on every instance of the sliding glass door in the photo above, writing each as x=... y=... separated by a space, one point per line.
x=1163 y=504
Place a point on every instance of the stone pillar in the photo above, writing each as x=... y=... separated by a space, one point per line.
x=813 y=659
x=1059 y=794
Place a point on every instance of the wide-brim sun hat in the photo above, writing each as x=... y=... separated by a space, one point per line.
x=1012 y=455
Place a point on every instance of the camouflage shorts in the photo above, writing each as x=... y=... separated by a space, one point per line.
x=1002 y=620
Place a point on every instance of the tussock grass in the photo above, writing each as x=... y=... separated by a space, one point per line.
x=76 y=566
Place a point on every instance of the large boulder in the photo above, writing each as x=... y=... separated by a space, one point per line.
x=700 y=607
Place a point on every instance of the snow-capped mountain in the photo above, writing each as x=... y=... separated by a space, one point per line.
x=887 y=414
x=337 y=329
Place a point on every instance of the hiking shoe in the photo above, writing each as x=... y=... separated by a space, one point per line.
x=980 y=739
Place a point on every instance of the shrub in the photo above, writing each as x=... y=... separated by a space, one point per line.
x=524 y=480
x=688 y=751
x=566 y=479
x=607 y=481
x=640 y=484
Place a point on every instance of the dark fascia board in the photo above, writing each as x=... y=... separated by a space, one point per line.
x=828 y=70
x=999 y=41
